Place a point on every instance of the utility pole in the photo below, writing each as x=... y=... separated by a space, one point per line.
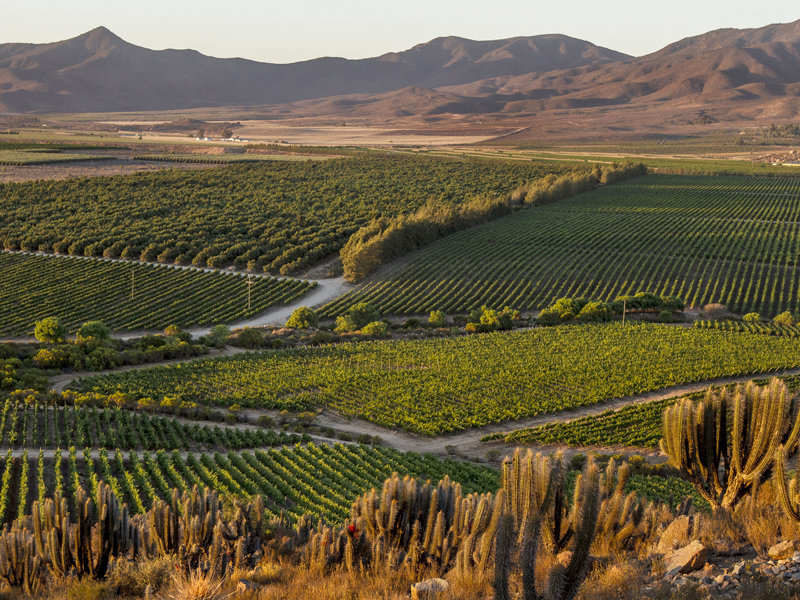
x=249 y=287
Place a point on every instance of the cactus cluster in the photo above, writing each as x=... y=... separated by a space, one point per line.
x=85 y=542
x=723 y=462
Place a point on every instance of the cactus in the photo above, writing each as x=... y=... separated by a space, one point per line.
x=724 y=464
x=532 y=485
x=420 y=524
x=20 y=564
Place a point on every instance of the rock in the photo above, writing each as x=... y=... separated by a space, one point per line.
x=722 y=578
x=676 y=534
x=428 y=589
x=738 y=568
x=783 y=549
x=245 y=585
x=687 y=559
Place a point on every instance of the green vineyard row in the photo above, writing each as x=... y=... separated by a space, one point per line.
x=440 y=385
x=732 y=240
x=128 y=296
x=42 y=426
x=319 y=480
x=635 y=425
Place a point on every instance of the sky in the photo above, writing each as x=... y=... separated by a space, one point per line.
x=295 y=30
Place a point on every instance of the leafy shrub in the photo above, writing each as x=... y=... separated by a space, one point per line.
x=752 y=317
x=303 y=318
x=356 y=317
x=321 y=337
x=50 y=330
x=437 y=318
x=250 y=338
x=364 y=438
x=93 y=330
x=665 y=316
x=785 y=318
x=715 y=310
x=375 y=328
x=411 y=323
x=595 y=312
x=549 y=317
x=265 y=421
x=219 y=334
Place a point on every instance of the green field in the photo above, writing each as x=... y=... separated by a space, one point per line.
x=223 y=159
x=322 y=481
x=732 y=240
x=276 y=216
x=633 y=425
x=21 y=158
x=37 y=425
x=440 y=385
x=33 y=287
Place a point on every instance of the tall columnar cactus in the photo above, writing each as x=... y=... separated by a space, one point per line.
x=533 y=484
x=789 y=492
x=20 y=565
x=416 y=523
x=724 y=462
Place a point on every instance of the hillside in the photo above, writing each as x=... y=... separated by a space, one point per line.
x=100 y=72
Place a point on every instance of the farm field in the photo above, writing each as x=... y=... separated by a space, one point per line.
x=41 y=426
x=732 y=240
x=275 y=216
x=436 y=386
x=317 y=480
x=33 y=287
x=38 y=157
x=637 y=425
x=223 y=159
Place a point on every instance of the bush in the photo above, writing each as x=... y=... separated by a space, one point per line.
x=96 y=330
x=364 y=438
x=50 y=330
x=785 y=318
x=665 y=317
x=375 y=328
x=437 y=318
x=219 y=334
x=493 y=454
x=751 y=318
x=320 y=337
x=250 y=338
x=303 y=318
x=411 y=323
x=377 y=440
x=172 y=331
x=265 y=421
x=131 y=578
x=595 y=312
x=548 y=317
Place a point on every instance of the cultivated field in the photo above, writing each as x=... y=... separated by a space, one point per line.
x=271 y=216
x=704 y=239
x=129 y=296
x=443 y=385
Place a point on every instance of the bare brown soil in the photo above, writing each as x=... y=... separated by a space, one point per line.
x=9 y=174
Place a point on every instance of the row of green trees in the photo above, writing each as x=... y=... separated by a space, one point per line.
x=589 y=311
x=388 y=238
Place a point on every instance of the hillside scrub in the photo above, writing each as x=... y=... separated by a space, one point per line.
x=388 y=238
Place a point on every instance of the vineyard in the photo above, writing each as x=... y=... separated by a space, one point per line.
x=220 y=159
x=275 y=216
x=19 y=158
x=83 y=290
x=636 y=425
x=731 y=240
x=319 y=480
x=763 y=328
x=441 y=385
x=36 y=425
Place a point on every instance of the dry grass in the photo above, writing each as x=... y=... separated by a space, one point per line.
x=197 y=586
x=130 y=578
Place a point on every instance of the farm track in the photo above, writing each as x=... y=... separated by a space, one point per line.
x=467 y=443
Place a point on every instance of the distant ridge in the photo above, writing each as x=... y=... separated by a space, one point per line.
x=747 y=72
x=99 y=71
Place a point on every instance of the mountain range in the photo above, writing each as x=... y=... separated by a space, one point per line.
x=744 y=70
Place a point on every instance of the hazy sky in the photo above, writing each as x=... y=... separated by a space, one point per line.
x=292 y=30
